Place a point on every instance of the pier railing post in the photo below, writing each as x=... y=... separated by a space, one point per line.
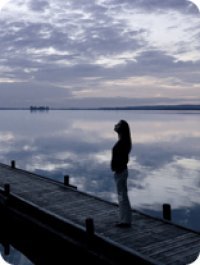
x=13 y=164
x=6 y=248
x=89 y=223
x=7 y=189
x=4 y=220
x=66 y=180
x=167 y=212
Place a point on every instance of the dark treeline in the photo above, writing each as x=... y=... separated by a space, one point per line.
x=158 y=107
x=145 y=107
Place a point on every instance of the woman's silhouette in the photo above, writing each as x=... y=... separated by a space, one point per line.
x=119 y=161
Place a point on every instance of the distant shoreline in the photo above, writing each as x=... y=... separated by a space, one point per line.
x=145 y=107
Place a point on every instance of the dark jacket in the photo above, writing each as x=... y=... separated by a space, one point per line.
x=120 y=156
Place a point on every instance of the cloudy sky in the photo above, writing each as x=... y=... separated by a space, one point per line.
x=72 y=53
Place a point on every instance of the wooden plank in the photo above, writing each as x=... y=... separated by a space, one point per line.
x=183 y=249
x=150 y=235
x=185 y=257
x=157 y=245
x=174 y=246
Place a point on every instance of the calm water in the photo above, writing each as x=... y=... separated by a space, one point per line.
x=164 y=165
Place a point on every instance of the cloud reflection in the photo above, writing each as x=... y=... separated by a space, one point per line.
x=172 y=183
x=164 y=163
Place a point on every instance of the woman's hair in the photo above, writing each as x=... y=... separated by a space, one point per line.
x=125 y=134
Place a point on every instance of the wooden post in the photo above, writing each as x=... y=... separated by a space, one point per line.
x=6 y=249
x=7 y=189
x=13 y=164
x=167 y=212
x=89 y=226
x=66 y=180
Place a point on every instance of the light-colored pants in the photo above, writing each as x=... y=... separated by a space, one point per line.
x=122 y=192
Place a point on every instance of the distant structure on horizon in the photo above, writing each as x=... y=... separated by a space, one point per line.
x=39 y=108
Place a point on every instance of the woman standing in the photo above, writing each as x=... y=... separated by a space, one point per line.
x=119 y=161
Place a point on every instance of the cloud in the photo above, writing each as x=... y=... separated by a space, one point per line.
x=87 y=46
x=156 y=5
x=38 y=6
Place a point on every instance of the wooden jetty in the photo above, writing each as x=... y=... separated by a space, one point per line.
x=87 y=223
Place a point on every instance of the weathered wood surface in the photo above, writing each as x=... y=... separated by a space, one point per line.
x=157 y=240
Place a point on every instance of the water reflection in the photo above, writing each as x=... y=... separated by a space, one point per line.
x=13 y=258
x=164 y=164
